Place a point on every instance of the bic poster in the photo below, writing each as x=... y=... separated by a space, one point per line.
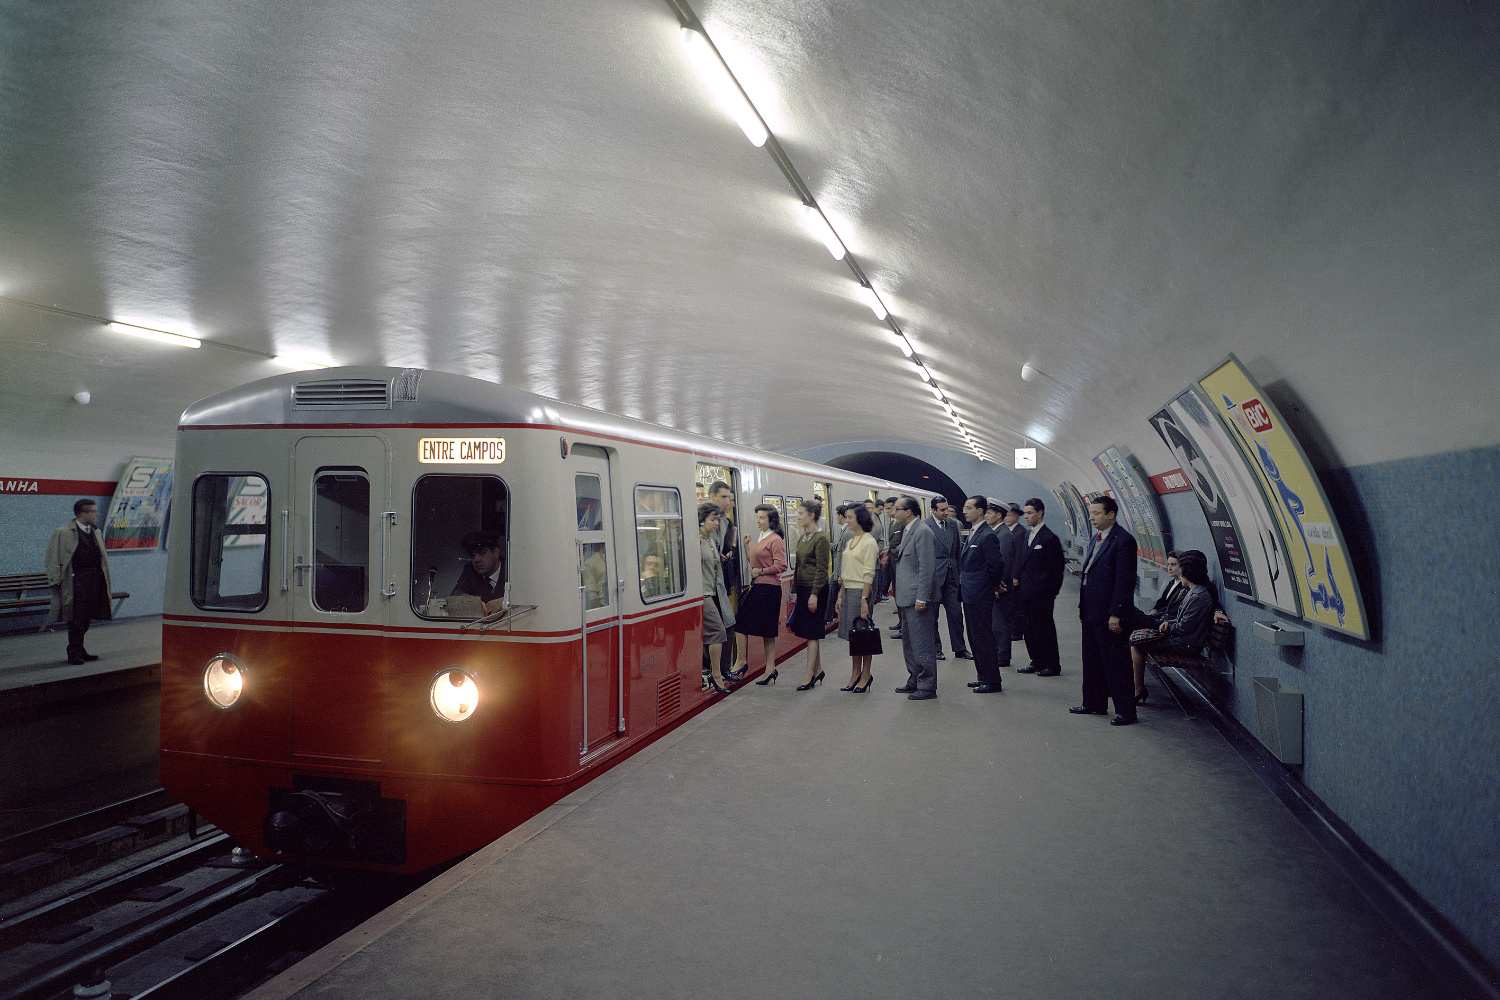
x=1137 y=504
x=138 y=513
x=1320 y=561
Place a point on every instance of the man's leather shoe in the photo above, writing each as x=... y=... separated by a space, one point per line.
x=941 y=656
x=921 y=695
x=1026 y=670
x=895 y=635
x=1048 y=673
x=90 y=657
x=986 y=688
x=905 y=689
x=962 y=656
x=973 y=684
x=1120 y=720
x=1085 y=710
x=75 y=661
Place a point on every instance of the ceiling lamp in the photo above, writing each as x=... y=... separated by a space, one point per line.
x=872 y=300
x=824 y=230
x=287 y=359
x=905 y=345
x=160 y=336
x=725 y=89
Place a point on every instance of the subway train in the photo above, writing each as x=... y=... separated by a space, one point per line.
x=328 y=692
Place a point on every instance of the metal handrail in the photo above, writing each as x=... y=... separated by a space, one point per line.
x=502 y=617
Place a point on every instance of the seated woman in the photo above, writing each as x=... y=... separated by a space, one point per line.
x=1187 y=632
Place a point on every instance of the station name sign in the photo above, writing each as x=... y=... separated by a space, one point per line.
x=461 y=451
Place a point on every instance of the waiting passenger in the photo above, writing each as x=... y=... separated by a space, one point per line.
x=722 y=494
x=484 y=577
x=1164 y=609
x=760 y=612
x=654 y=580
x=836 y=556
x=1003 y=610
x=857 y=577
x=717 y=616
x=809 y=618
x=1186 y=632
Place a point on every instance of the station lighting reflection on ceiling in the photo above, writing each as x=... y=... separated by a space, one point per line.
x=824 y=231
x=905 y=345
x=722 y=84
x=872 y=299
x=160 y=336
x=287 y=359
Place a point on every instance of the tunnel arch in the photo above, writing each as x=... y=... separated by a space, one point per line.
x=899 y=468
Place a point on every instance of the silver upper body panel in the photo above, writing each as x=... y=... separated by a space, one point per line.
x=443 y=399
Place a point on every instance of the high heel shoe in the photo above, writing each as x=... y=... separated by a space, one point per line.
x=849 y=686
x=866 y=688
x=713 y=683
x=769 y=678
x=735 y=676
x=1140 y=698
x=811 y=684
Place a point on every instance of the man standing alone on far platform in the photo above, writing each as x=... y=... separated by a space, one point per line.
x=1105 y=604
x=1037 y=578
x=78 y=571
x=917 y=592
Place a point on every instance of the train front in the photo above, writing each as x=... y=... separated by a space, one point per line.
x=327 y=693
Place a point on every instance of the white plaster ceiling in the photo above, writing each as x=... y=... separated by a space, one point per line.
x=543 y=194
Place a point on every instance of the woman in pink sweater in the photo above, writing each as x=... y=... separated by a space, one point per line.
x=760 y=612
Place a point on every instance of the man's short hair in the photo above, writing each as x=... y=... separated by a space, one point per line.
x=706 y=510
x=872 y=500
x=890 y=499
x=1041 y=508
x=909 y=503
x=718 y=485
x=937 y=498
x=1108 y=503
x=978 y=501
x=476 y=540
x=81 y=503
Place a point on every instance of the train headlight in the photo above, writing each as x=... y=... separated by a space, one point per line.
x=455 y=694
x=224 y=680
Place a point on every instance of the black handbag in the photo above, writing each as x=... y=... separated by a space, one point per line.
x=864 y=638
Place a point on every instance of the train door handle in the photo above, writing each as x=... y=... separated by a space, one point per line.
x=298 y=567
x=387 y=519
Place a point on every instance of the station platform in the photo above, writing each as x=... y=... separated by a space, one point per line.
x=822 y=844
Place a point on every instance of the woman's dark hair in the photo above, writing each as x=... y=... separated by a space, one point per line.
x=1175 y=554
x=1194 y=567
x=862 y=516
x=814 y=507
x=773 y=517
x=706 y=510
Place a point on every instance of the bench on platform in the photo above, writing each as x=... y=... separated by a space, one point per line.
x=1220 y=640
x=40 y=593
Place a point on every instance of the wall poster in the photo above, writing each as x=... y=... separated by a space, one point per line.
x=1323 y=574
x=1137 y=503
x=1066 y=503
x=138 y=513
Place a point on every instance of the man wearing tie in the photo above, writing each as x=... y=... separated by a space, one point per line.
x=1037 y=578
x=484 y=576
x=949 y=544
x=981 y=570
x=1018 y=535
x=78 y=571
x=1106 y=602
x=916 y=591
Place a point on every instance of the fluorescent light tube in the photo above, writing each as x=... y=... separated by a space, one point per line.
x=938 y=393
x=905 y=346
x=821 y=228
x=873 y=301
x=299 y=362
x=160 y=336
x=722 y=85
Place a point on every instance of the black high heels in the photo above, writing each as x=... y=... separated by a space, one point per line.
x=849 y=686
x=735 y=676
x=811 y=684
x=714 y=683
x=769 y=678
x=1142 y=695
x=866 y=688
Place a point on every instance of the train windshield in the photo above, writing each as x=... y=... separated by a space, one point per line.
x=231 y=557
x=460 y=541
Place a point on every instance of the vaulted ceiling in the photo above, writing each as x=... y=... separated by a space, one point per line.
x=545 y=194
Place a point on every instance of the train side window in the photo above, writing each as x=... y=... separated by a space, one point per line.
x=659 y=542
x=460 y=545
x=341 y=540
x=593 y=562
x=231 y=557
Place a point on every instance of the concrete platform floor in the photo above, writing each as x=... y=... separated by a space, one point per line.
x=40 y=657
x=836 y=845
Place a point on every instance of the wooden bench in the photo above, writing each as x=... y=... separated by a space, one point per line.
x=22 y=584
x=1220 y=640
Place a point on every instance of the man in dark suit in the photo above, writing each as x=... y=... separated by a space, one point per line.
x=484 y=577
x=888 y=580
x=945 y=532
x=1105 y=604
x=1018 y=536
x=981 y=571
x=1002 y=612
x=1037 y=578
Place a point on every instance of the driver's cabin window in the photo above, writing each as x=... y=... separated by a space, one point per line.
x=460 y=546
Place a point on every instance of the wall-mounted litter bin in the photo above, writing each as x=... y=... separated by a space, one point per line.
x=1278 y=709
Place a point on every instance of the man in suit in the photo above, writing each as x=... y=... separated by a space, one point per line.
x=981 y=570
x=1037 y=578
x=836 y=559
x=78 y=571
x=1018 y=534
x=882 y=533
x=917 y=592
x=1105 y=604
x=945 y=533
x=735 y=657
x=484 y=576
x=892 y=548
x=1003 y=610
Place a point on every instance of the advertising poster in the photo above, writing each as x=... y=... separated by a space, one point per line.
x=1066 y=504
x=1234 y=563
x=138 y=513
x=1137 y=504
x=1321 y=568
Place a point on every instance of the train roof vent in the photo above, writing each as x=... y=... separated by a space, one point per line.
x=404 y=388
x=343 y=394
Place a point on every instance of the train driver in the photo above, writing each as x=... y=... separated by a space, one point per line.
x=484 y=577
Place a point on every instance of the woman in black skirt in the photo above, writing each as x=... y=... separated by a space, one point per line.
x=810 y=577
x=760 y=612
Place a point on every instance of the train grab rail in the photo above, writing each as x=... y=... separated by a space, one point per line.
x=502 y=617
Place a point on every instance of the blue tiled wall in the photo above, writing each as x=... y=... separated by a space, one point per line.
x=1402 y=733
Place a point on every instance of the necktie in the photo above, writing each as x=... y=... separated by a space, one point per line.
x=1099 y=537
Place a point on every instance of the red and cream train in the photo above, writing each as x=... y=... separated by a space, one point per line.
x=323 y=697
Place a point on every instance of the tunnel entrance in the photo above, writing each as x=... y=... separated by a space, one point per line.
x=899 y=468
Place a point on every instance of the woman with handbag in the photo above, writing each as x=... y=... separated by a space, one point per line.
x=811 y=581
x=760 y=611
x=857 y=577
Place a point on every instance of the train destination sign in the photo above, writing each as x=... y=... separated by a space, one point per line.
x=461 y=451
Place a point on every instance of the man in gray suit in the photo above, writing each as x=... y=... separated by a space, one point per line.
x=945 y=532
x=917 y=593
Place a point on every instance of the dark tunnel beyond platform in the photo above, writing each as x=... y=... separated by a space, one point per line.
x=900 y=468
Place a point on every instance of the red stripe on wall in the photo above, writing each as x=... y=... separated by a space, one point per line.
x=1171 y=482
x=58 y=487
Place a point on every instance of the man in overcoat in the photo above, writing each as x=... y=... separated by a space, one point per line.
x=78 y=571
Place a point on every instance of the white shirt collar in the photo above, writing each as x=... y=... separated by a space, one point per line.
x=763 y=536
x=1031 y=534
x=494 y=578
x=88 y=529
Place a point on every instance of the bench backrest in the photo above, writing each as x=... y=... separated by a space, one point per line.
x=1221 y=637
x=23 y=581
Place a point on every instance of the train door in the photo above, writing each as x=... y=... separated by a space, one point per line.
x=342 y=586
x=599 y=596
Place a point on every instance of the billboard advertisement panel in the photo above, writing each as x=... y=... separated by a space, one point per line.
x=1138 y=510
x=138 y=513
x=1322 y=571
